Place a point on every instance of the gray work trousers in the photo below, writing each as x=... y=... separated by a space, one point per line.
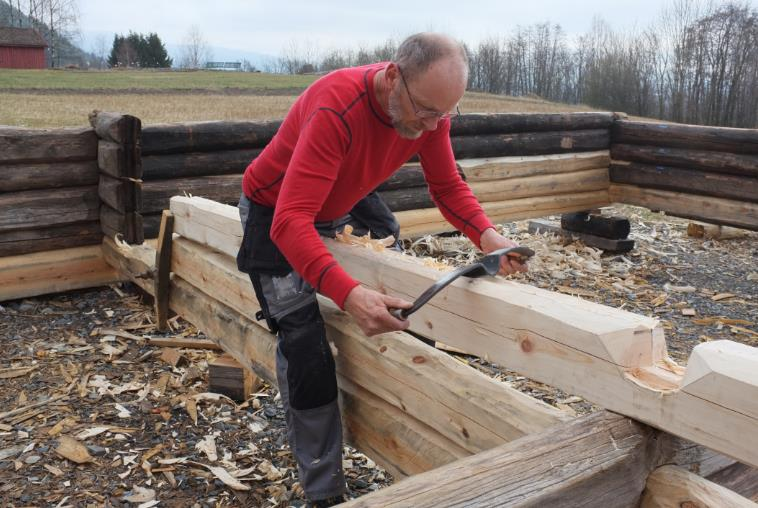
x=304 y=363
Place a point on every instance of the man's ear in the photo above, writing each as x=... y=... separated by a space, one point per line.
x=391 y=74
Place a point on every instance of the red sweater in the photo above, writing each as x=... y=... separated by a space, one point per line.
x=335 y=146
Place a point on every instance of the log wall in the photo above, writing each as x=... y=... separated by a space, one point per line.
x=48 y=190
x=207 y=159
x=699 y=172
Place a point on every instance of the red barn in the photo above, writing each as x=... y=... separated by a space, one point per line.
x=21 y=48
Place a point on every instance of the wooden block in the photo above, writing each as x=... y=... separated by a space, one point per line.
x=229 y=377
x=615 y=228
x=713 y=231
x=606 y=244
x=121 y=194
x=173 y=357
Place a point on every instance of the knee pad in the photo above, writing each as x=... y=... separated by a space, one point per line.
x=311 y=376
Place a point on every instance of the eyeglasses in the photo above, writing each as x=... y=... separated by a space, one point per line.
x=426 y=113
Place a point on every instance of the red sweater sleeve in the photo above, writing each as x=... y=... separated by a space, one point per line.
x=450 y=193
x=313 y=168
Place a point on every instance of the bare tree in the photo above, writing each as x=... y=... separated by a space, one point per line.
x=195 y=52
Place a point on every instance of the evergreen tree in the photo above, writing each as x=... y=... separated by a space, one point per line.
x=136 y=50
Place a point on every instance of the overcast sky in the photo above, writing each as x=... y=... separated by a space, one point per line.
x=270 y=26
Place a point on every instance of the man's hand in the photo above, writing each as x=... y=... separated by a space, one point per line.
x=370 y=309
x=491 y=240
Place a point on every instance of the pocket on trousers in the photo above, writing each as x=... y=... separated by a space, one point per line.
x=258 y=254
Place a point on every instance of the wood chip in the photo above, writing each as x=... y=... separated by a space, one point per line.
x=15 y=372
x=140 y=495
x=173 y=357
x=223 y=475
x=722 y=296
x=688 y=312
x=71 y=449
x=54 y=470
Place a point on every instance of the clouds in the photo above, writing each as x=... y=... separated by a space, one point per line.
x=271 y=26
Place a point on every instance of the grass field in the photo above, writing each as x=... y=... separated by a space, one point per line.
x=46 y=99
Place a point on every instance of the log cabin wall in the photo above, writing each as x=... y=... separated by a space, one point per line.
x=698 y=172
x=48 y=190
x=207 y=159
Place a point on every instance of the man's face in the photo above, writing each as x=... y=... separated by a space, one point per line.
x=418 y=105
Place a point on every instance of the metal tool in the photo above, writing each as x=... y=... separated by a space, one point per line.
x=487 y=265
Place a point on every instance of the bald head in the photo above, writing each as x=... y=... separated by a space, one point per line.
x=419 y=52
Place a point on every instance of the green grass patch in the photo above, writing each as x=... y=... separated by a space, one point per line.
x=147 y=79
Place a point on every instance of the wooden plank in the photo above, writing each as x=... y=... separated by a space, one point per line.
x=697 y=159
x=530 y=143
x=21 y=146
x=119 y=161
x=694 y=137
x=425 y=221
x=45 y=239
x=121 y=194
x=503 y=123
x=39 y=209
x=193 y=164
x=229 y=377
x=599 y=460
x=606 y=244
x=475 y=415
x=611 y=357
x=156 y=194
x=184 y=343
x=116 y=127
x=21 y=177
x=206 y=136
x=163 y=270
x=739 y=188
x=707 y=209
x=54 y=271
x=498 y=168
x=674 y=487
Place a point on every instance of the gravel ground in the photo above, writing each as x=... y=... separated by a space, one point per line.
x=134 y=413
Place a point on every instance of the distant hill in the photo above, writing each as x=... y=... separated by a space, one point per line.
x=68 y=53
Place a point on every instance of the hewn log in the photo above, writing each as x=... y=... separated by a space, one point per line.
x=599 y=460
x=128 y=225
x=425 y=221
x=674 y=487
x=704 y=160
x=132 y=262
x=156 y=194
x=504 y=123
x=739 y=478
x=498 y=168
x=739 y=214
x=183 y=165
x=410 y=198
x=46 y=208
x=120 y=161
x=530 y=143
x=116 y=127
x=20 y=146
x=121 y=194
x=206 y=136
x=686 y=181
x=21 y=177
x=53 y=271
x=410 y=175
x=615 y=228
x=414 y=198
x=44 y=239
x=694 y=137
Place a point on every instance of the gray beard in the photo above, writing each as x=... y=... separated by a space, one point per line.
x=394 y=113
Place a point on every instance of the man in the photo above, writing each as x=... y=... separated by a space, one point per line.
x=346 y=134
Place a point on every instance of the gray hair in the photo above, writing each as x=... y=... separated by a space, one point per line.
x=419 y=51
